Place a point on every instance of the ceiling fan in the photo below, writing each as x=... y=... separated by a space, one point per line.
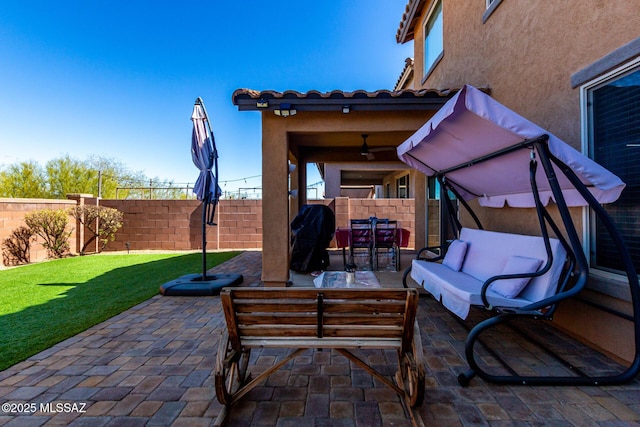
x=365 y=150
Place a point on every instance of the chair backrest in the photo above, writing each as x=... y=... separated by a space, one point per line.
x=357 y=317
x=385 y=232
x=361 y=233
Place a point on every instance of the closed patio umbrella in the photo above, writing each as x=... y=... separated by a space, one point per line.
x=205 y=156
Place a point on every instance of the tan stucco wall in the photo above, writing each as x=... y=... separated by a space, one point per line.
x=526 y=53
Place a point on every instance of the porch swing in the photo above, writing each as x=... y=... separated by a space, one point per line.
x=478 y=149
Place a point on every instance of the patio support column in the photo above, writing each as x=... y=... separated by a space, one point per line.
x=275 y=201
x=420 y=197
x=332 y=180
x=302 y=182
x=294 y=184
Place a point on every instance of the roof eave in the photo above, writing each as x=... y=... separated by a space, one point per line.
x=411 y=13
x=383 y=100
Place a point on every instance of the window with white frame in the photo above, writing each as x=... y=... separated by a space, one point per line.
x=612 y=130
x=402 y=187
x=433 y=38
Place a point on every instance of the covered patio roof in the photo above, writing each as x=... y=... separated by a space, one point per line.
x=340 y=145
x=323 y=128
x=359 y=100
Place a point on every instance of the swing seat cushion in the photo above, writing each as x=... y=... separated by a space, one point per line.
x=489 y=254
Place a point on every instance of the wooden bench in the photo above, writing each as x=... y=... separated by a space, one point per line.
x=308 y=318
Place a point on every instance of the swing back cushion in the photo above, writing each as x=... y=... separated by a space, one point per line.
x=488 y=254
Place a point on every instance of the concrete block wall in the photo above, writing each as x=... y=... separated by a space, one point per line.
x=13 y=211
x=239 y=224
x=158 y=225
x=177 y=224
x=401 y=210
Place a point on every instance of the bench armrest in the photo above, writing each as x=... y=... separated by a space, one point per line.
x=490 y=280
x=431 y=249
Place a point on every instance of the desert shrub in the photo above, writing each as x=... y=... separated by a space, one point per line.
x=51 y=226
x=109 y=221
x=16 y=249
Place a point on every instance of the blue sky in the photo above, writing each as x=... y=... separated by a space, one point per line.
x=119 y=78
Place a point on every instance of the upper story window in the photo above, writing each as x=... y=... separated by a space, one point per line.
x=611 y=123
x=433 y=38
x=402 y=187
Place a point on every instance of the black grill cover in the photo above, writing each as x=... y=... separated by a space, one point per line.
x=311 y=233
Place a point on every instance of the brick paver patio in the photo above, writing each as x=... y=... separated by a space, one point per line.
x=152 y=366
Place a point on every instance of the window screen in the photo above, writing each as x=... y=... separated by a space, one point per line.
x=614 y=109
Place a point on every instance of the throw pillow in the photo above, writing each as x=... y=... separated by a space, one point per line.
x=455 y=255
x=511 y=288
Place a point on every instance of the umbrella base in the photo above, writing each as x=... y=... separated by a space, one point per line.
x=194 y=285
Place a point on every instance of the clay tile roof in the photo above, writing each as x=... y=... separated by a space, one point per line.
x=405 y=74
x=409 y=20
x=313 y=100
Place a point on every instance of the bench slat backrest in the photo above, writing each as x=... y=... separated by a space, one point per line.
x=319 y=314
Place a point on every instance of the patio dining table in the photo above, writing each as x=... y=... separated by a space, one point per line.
x=338 y=279
x=344 y=240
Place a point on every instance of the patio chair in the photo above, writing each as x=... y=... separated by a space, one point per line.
x=362 y=239
x=386 y=241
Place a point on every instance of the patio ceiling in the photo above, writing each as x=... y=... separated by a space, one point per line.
x=344 y=147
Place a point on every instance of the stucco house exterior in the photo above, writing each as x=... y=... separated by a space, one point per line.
x=573 y=68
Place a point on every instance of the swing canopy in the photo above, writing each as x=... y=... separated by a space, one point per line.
x=460 y=143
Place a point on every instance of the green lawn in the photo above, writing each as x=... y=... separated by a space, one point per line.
x=43 y=304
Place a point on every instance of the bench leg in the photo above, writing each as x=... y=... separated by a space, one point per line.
x=231 y=380
x=411 y=373
x=355 y=359
x=230 y=372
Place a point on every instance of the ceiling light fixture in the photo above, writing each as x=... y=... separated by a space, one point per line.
x=364 y=149
x=285 y=110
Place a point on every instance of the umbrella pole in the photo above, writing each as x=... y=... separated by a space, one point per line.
x=204 y=239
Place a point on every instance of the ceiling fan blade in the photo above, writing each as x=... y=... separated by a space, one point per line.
x=370 y=156
x=378 y=149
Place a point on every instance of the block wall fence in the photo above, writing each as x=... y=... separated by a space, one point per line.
x=177 y=224
x=13 y=211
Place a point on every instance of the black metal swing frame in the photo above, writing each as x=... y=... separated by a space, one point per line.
x=572 y=281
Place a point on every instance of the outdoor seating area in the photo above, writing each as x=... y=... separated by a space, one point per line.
x=154 y=365
x=373 y=243
x=514 y=277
